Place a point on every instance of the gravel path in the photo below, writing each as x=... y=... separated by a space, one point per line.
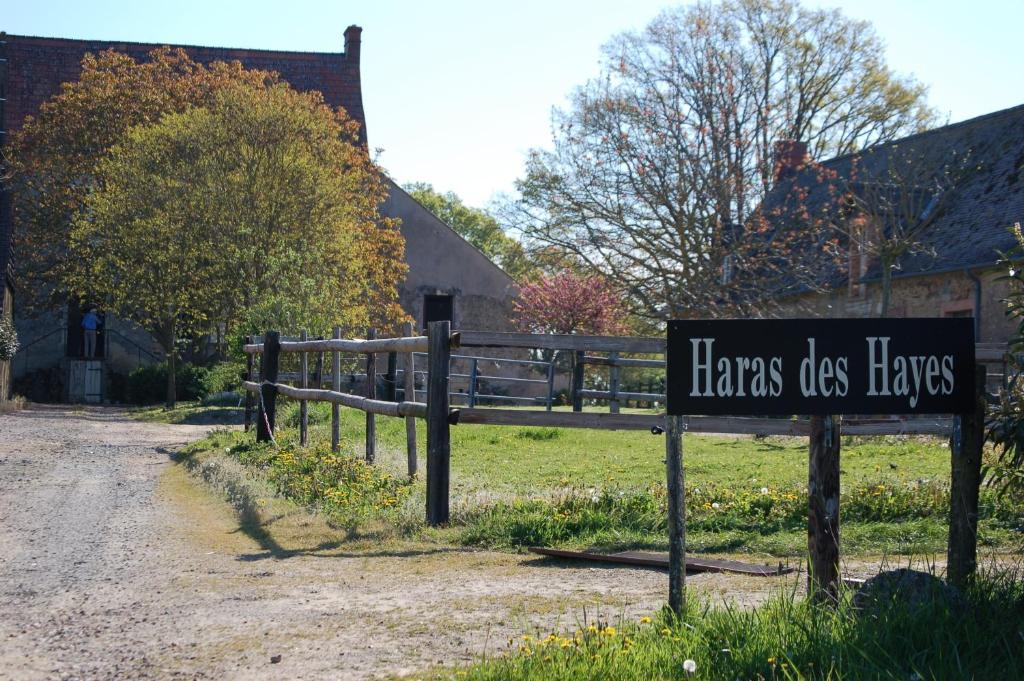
x=115 y=564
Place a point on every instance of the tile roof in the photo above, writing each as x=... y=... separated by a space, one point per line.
x=973 y=225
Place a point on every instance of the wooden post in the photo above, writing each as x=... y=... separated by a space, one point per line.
x=371 y=392
x=410 y=396
x=676 y=513
x=577 y=381
x=551 y=380
x=303 y=383
x=336 y=387
x=472 y=384
x=823 y=510
x=248 y=395
x=268 y=393
x=438 y=436
x=966 y=447
x=320 y=369
x=613 y=383
x=391 y=378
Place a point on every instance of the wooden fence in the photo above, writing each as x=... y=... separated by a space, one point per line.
x=966 y=432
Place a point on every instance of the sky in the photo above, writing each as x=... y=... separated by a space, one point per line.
x=456 y=92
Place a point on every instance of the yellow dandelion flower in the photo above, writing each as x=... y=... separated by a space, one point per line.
x=645 y=620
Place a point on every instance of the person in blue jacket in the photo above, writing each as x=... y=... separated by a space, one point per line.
x=90 y=322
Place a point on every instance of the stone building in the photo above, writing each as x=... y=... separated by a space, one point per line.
x=953 y=270
x=448 y=277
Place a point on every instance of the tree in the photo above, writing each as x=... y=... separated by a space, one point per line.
x=220 y=212
x=52 y=159
x=569 y=303
x=476 y=226
x=658 y=165
x=1005 y=418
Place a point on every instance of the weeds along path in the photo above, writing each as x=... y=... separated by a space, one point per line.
x=116 y=563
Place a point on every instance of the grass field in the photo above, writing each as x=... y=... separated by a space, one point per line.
x=519 y=486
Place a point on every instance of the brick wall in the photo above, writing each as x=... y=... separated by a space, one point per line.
x=938 y=295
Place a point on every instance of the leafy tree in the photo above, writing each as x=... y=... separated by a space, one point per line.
x=476 y=226
x=223 y=212
x=567 y=302
x=658 y=165
x=52 y=158
x=1005 y=420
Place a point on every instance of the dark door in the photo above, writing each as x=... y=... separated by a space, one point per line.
x=438 y=309
x=76 y=335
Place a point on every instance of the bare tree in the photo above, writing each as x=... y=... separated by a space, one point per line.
x=888 y=204
x=658 y=165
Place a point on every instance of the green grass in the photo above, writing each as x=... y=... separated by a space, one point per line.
x=516 y=486
x=787 y=638
x=525 y=460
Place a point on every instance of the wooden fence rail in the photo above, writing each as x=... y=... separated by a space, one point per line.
x=823 y=432
x=370 y=406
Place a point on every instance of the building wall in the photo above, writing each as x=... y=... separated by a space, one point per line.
x=938 y=295
x=44 y=348
x=442 y=262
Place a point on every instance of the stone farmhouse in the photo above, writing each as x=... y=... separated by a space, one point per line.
x=448 y=278
x=953 y=271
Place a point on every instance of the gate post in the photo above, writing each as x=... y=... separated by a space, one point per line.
x=409 y=395
x=438 y=435
x=966 y=444
x=268 y=393
x=823 y=510
x=613 y=383
x=676 y=513
x=577 y=381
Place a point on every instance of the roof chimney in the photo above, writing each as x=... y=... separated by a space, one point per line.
x=790 y=155
x=352 y=40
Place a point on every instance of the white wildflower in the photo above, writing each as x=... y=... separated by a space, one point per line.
x=689 y=666
x=764 y=490
x=716 y=505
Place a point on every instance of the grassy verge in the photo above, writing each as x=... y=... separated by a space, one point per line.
x=517 y=486
x=190 y=412
x=787 y=638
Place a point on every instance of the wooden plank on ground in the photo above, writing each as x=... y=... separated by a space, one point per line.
x=651 y=559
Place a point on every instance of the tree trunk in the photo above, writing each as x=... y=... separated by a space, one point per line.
x=171 y=366
x=886 y=287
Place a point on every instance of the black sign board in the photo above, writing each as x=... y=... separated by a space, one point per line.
x=820 y=366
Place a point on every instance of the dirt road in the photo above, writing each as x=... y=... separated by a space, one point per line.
x=116 y=564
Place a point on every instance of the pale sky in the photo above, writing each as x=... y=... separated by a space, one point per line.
x=457 y=91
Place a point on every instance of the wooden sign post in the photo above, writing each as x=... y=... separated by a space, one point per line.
x=823 y=509
x=676 y=513
x=827 y=367
x=966 y=445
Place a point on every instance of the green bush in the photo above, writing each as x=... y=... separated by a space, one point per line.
x=8 y=339
x=148 y=384
x=223 y=377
